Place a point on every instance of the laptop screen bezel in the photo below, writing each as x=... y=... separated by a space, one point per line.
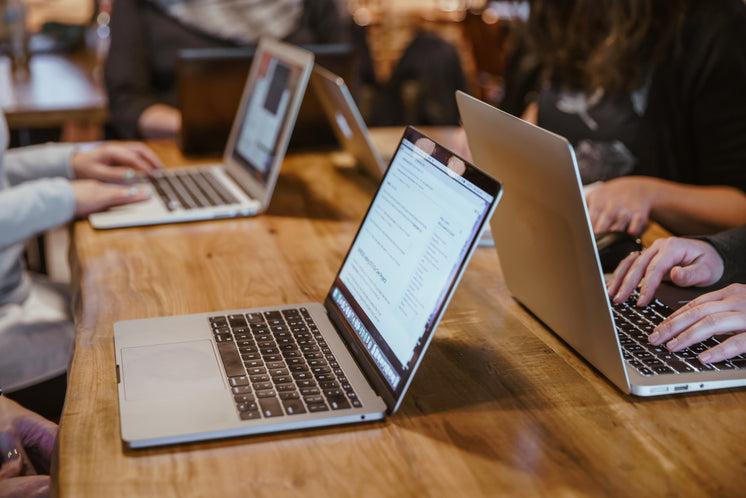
x=394 y=397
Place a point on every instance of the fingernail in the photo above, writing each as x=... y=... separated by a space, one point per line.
x=129 y=174
x=672 y=343
x=653 y=338
x=134 y=191
x=705 y=357
x=13 y=454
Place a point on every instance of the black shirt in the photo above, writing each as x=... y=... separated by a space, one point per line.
x=688 y=121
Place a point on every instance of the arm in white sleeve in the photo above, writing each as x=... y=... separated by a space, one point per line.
x=38 y=161
x=34 y=207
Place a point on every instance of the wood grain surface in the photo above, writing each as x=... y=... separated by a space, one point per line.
x=499 y=407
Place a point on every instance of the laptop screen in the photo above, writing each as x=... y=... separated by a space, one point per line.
x=408 y=254
x=264 y=115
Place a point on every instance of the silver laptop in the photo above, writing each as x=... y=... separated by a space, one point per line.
x=251 y=371
x=242 y=184
x=548 y=255
x=346 y=121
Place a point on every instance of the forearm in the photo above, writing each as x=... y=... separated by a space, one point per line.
x=33 y=208
x=694 y=209
x=38 y=161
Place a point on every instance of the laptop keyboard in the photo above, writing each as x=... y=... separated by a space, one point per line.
x=191 y=190
x=278 y=364
x=634 y=325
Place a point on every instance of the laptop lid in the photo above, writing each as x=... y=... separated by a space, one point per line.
x=543 y=234
x=210 y=83
x=346 y=121
x=266 y=116
x=407 y=258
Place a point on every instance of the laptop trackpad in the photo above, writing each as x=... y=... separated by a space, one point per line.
x=170 y=370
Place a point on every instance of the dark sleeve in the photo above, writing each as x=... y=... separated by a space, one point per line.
x=126 y=70
x=731 y=245
x=711 y=111
x=321 y=23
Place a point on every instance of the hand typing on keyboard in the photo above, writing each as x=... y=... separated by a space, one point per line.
x=115 y=162
x=687 y=262
x=714 y=313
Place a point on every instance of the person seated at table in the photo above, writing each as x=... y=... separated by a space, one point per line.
x=26 y=442
x=42 y=187
x=146 y=36
x=716 y=261
x=650 y=95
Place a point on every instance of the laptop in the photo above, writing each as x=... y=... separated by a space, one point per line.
x=210 y=82
x=243 y=183
x=547 y=251
x=346 y=121
x=350 y=359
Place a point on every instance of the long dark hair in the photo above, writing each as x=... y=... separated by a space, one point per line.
x=608 y=44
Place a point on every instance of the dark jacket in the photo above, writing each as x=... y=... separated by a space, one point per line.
x=140 y=69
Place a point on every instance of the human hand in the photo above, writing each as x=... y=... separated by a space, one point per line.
x=26 y=442
x=714 y=313
x=685 y=262
x=115 y=161
x=92 y=196
x=621 y=204
x=159 y=121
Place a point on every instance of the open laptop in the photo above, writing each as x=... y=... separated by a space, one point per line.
x=210 y=83
x=251 y=371
x=550 y=264
x=243 y=183
x=346 y=121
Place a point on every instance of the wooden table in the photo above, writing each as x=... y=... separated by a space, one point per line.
x=499 y=407
x=61 y=90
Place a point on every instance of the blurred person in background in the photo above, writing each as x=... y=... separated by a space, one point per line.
x=146 y=36
x=650 y=95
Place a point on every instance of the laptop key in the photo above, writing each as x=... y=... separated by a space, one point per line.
x=318 y=407
x=724 y=365
x=293 y=406
x=645 y=371
x=338 y=402
x=738 y=362
x=680 y=366
x=250 y=415
x=240 y=380
x=271 y=407
x=231 y=359
x=245 y=407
